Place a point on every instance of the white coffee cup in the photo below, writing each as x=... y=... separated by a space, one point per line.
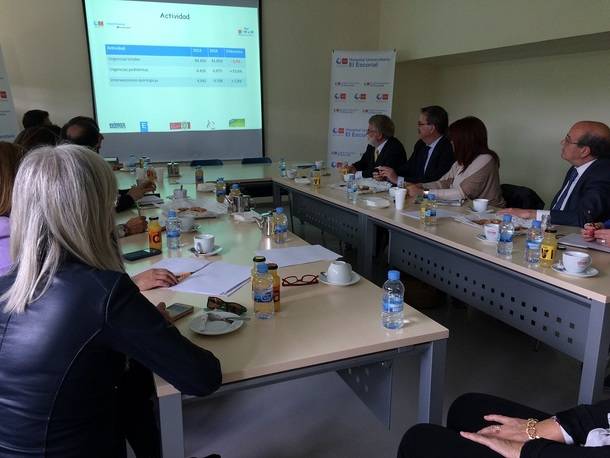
x=186 y=223
x=291 y=173
x=480 y=205
x=319 y=164
x=576 y=261
x=204 y=243
x=400 y=195
x=339 y=272
x=160 y=172
x=492 y=232
x=179 y=193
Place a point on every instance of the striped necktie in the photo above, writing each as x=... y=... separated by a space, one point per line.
x=572 y=174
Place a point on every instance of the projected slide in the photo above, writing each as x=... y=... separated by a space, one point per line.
x=171 y=67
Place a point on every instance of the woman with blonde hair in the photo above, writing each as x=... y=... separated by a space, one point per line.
x=70 y=316
x=10 y=156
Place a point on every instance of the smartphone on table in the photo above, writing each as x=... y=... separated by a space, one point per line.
x=141 y=254
x=177 y=310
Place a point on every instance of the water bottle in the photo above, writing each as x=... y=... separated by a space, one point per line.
x=221 y=190
x=532 y=245
x=352 y=189
x=430 y=212
x=423 y=206
x=507 y=230
x=132 y=163
x=392 y=304
x=282 y=167
x=262 y=292
x=172 y=229
x=281 y=226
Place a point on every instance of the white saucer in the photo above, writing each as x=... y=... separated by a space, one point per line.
x=217 y=249
x=355 y=279
x=486 y=212
x=377 y=202
x=589 y=271
x=302 y=180
x=201 y=325
x=482 y=238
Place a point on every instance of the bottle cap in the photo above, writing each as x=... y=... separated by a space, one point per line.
x=272 y=266
x=537 y=224
x=153 y=218
x=279 y=210
x=431 y=196
x=171 y=213
x=393 y=275
x=507 y=218
x=259 y=259
x=262 y=268
x=551 y=230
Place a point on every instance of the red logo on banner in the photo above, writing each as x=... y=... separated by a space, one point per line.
x=3 y=95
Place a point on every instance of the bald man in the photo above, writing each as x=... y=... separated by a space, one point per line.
x=584 y=195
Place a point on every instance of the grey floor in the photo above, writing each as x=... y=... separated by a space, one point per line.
x=319 y=416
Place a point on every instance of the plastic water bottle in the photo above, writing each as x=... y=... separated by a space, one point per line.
x=430 y=213
x=392 y=304
x=281 y=226
x=262 y=292
x=221 y=190
x=532 y=245
x=172 y=229
x=282 y=167
x=507 y=230
x=132 y=163
x=352 y=189
x=423 y=206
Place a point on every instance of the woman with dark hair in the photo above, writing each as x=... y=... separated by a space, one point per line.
x=33 y=137
x=475 y=172
x=10 y=155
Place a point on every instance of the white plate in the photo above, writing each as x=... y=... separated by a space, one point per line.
x=482 y=238
x=355 y=279
x=589 y=271
x=214 y=328
x=486 y=212
x=217 y=249
x=377 y=202
x=302 y=180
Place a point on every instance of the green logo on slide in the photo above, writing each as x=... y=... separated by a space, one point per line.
x=237 y=122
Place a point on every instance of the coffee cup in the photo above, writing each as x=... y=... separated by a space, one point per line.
x=319 y=164
x=186 y=223
x=339 y=272
x=179 y=193
x=400 y=195
x=204 y=243
x=291 y=173
x=480 y=205
x=492 y=232
x=576 y=261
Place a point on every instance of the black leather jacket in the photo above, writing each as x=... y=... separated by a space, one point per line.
x=60 y=361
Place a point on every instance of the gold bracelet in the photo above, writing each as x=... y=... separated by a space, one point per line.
x=530 y=429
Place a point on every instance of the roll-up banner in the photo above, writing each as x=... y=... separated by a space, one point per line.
x=8 y=119
x=362 y=84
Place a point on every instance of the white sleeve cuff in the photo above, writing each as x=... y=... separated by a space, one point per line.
x=358 y=175
x=566 y=437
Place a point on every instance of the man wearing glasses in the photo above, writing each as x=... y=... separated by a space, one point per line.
x=432 y=154
x=584 y=196
x=383 y=149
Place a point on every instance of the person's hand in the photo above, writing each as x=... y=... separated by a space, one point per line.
x=136 y=225
x=154 y=278
x=377 y=176
x=350 y=169
x=504 y=447
x=514 y=429
x=602 y=236
x=161 y=308
x=519 y=212
x=414 y=190
x=388 y=173
x=138 y=191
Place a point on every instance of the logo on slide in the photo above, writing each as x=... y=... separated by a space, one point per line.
x=97 y=24
x=117 y=125
x=361 y=96
x=211 y=125
x=383 y=97
x=245 y=32
x=339 y=131
x=179 y=125
x=143 y=126
x=340 y=96
x=341 y=60
x=3 y=95
x=237 y=122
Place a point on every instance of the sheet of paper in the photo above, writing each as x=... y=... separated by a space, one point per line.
x=216 y=279
x=576 y=240
x=180 y=265
x=293 y=256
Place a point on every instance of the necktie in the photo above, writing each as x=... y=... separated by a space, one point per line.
x=376 y=154
x=427 y=153
x=572 y=174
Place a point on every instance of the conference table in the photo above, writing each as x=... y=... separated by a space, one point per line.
x=320 y=328
x=568 y=314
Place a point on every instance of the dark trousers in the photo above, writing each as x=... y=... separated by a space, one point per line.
x=465 y=414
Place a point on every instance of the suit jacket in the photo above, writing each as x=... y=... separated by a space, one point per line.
x=440 y=162
x=61 y=360
x=124 y=201
x=577 y=422
x=392 y=155
x=590 y=198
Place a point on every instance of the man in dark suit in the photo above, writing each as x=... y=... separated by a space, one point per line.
x=584 y=195
x=432 y=154
x=383 y=149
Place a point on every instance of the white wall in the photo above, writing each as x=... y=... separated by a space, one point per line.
x=528 y=106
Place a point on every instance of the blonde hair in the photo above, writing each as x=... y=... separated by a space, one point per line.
x=10 y=155
x=63 y=205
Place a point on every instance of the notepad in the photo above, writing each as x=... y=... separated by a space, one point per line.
x=293 y=256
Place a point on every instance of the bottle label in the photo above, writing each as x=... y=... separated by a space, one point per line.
x=547 y=252
x=276 y=293
x=430 y=212
x=154 y=238
x=392 y=305
x=280 y=228
x=505 y=237
x=533 y=245
x=173 y=233
x=263 y=296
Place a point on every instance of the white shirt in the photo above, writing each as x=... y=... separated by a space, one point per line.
x=378 y=148
x=580 y=170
